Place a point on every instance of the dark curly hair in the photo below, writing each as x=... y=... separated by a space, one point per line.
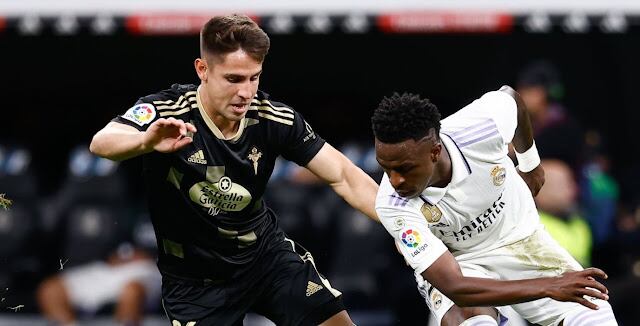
x=402 y=117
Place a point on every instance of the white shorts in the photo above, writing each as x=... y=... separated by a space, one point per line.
x=93 y=285
x=539 y=255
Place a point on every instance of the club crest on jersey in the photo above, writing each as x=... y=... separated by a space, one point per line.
x=431 y=213
x=141 y=114
x=254 y=156
x=436 y=299
x=498 y=174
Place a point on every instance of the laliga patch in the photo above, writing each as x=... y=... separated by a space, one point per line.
x=141 y=114
x=412 y=239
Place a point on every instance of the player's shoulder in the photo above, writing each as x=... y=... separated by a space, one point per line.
x=270 y=111
x=172 y=94
x=387 y=199
x=177 y=101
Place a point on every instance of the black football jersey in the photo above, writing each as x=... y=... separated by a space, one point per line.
x=205 y=199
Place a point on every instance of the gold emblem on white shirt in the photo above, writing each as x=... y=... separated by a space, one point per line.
x=431 y=212
x=498 y=174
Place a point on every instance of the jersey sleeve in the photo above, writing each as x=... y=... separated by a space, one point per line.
x=410 y=231
x=503 y=110
x=485 y=127
x=140 y=115
x=300 y=143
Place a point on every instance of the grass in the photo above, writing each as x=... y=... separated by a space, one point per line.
x=4 y=202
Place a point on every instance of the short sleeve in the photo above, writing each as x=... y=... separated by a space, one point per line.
x=503 y=110
x=300 y=143
x=410 y=230
x=139 y=116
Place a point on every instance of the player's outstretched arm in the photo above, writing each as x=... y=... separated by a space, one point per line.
x=529 y=166
x=446 y=276
x=348 y=180
x=117 y=141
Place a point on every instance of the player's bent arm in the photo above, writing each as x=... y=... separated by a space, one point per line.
x=528 y=160
x=117 y=141
x=348 y=180
x=445 y=275
x=523 y=137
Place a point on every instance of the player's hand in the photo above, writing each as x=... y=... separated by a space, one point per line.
x=573 y=286
x=168 y=135
x=534 y=179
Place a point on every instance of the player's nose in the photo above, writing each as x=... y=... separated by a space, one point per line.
x=245 y=90
x=396 y=179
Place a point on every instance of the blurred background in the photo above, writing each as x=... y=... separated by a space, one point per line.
x=68 y=67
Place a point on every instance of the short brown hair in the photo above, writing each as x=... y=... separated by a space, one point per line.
x=226 y=34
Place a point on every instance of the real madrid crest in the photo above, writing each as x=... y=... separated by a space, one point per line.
x=498 y=174
x=431 y=213
x=436 y=299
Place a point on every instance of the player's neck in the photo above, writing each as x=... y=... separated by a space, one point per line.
x=228 y=127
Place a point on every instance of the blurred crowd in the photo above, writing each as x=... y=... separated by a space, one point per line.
x=89 y=248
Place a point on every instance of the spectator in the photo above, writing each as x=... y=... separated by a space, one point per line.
x=557 y=205
x=540 y=87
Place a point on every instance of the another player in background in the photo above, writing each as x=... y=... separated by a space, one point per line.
x=456 y=205
x=208 y=153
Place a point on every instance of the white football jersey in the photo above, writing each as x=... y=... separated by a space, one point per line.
x=486 y=205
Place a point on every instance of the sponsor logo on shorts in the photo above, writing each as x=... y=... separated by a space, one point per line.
x=312 y=288
x=141 y=114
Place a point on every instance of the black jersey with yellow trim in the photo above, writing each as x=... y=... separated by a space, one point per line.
x=205 y=200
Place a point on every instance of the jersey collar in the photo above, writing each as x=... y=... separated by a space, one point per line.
x=460 y=166
x=212 y=126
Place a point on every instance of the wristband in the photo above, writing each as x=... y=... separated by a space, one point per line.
x=528 y=160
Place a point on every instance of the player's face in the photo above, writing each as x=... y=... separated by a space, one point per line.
x=230 y=83
x=410 y=164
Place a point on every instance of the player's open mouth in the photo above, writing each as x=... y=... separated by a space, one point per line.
x=239 y=108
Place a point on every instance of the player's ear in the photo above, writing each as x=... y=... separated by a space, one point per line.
x=201 y=68
x=436 y=150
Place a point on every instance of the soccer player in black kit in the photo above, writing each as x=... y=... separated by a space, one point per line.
x=208 y=152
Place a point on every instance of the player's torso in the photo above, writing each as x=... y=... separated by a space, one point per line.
x=473 y=210
x=222 y=179
x=484 y=208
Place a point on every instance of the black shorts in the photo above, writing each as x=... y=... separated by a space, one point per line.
x=283 y=285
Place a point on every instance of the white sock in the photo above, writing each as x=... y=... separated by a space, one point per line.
x=588 y=317
x=480 y=320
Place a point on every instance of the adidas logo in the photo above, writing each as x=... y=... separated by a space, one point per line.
x=313 y=288
x=197 y=157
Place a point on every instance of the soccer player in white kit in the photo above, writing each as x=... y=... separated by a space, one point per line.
x=463 y=215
